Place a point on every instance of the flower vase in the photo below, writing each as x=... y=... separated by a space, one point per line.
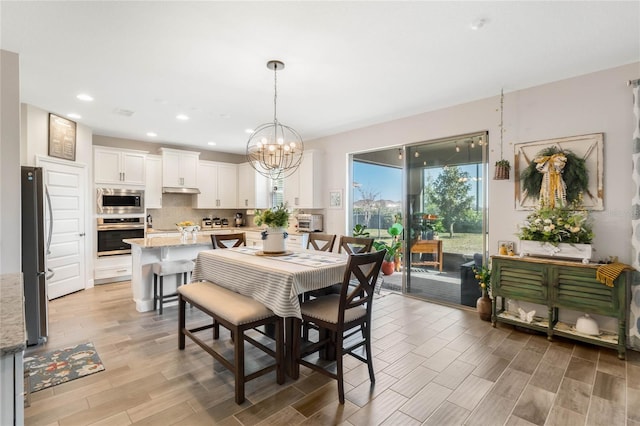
x=273 y=240
x=561 y=250
x=483 y=306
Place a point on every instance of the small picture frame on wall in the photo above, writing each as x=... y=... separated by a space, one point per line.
x=335 y=199
x=62 y=138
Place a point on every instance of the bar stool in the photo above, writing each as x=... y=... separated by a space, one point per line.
x=169 y=267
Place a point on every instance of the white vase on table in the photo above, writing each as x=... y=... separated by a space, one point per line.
x=274 y=240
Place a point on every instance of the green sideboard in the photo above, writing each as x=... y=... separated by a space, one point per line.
x=559 y=284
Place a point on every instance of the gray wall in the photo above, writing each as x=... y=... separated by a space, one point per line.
x=10 y=230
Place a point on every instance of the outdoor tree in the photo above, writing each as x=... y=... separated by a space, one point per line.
x=451 y=195
x=367 y=202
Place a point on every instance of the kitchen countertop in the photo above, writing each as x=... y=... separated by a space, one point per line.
x=159 y=242
x=229 y=229
x=12 y=327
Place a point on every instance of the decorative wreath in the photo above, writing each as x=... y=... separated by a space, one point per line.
x=574 y=174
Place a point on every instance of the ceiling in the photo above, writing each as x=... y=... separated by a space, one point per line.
x=347 y=64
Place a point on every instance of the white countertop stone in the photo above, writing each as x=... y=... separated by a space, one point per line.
x=12 y=326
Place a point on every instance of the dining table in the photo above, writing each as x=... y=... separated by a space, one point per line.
x=275 y=280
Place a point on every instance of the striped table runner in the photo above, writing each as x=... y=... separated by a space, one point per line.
x=274 y=281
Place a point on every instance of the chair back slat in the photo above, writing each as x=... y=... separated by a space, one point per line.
x=354 y=245
x=358 y=284
x=223 y=241
x=321 y=242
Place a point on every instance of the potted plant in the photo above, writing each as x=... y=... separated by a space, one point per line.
x=502 y=170
x=276 y=219
x=388 y=264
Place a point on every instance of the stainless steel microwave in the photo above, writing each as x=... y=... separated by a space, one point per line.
x=120 y=201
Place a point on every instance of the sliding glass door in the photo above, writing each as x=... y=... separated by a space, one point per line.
x=437 y=191
x=446 y=183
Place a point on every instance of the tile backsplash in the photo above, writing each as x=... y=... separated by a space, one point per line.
x=178 y=207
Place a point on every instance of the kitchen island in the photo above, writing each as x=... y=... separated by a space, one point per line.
x=147 y=251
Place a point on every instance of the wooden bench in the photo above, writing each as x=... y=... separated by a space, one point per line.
x=237 y=313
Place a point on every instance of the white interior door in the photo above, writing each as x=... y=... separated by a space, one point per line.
x=65 y=183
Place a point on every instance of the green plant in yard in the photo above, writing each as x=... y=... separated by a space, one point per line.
x=360 y=231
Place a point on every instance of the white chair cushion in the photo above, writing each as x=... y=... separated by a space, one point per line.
x=170 y=267
x=224 y=303
x=326 y=308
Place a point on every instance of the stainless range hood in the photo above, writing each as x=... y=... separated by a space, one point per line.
x=179 y=190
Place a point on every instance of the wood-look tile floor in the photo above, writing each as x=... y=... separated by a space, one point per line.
x=434 y=365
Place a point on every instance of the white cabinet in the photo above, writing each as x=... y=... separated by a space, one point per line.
x=304 y=189
x=179 y=168
x=297 y=241
x=253 y=188
x=116 y=166
x=218 y=186
x=12 y=389
x=112 y=268
x=254 y=239
x=153 y=187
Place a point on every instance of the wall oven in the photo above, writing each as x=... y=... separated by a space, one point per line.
x=119 y=201
x=111 y=232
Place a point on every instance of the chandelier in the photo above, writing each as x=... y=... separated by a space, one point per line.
x=273 y=149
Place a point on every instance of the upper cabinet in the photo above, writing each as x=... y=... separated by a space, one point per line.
x=218 y=186
x=153 y=188
x=304 y=188
x=115 y=166
x=179 y=168
x=253 y=188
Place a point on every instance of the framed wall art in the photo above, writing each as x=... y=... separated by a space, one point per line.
x=335 y=199
x=62 y=138
x=587 y=147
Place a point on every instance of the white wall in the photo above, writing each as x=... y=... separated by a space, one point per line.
x=10 y=189
x=593 y=103
x=34 y=140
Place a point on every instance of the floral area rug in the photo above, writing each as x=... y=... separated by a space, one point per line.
x=63 y=365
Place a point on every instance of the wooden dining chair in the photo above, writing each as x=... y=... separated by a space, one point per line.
x=223 y=241
x=353 y=245
x=342 y=318
x=321 y=242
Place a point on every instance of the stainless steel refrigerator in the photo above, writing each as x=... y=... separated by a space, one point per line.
x=34 y=250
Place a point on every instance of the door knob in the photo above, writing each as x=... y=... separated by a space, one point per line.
x=81 y=234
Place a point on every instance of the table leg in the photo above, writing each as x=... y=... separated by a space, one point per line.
x=291 y=367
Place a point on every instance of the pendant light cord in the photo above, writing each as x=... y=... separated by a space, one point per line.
x=501 y=121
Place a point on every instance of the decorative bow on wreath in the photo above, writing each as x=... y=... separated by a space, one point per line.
x=553 y=187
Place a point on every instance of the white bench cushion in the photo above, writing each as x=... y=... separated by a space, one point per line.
x=224 y=303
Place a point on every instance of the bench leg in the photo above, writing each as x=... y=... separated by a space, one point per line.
x=181 y=322
x=239 y=365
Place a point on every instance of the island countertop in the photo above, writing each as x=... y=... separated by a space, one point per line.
x=159 y=242
x=12 y=331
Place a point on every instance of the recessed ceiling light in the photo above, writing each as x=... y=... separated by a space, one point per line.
x=74 y=115
x=211 y=143
x=152 y=134
x=248 y=130
x=85 y=97
x=182 y=117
